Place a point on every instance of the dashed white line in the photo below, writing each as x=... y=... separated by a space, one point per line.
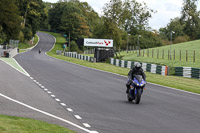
x=46 y=89
x=77 y=117
x=86 y=125
x=94 y=132
x=42 y=87
x=57 y=99
x=63 y=104
x=31 y=78
x=53 y=96
x=48 y=92
x=69 y=109
x=34 y=81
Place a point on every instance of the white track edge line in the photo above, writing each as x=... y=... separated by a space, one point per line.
x=46 y=113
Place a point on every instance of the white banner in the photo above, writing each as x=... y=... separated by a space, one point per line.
x=98 y=42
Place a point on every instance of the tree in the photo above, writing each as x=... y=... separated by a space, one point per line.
x=34 y=15
x=190 y=19
x=9 y=19
x=68 y=17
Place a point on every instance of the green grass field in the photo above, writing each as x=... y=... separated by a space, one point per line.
x=181 y=83
x=160 y=55
x=11 y=124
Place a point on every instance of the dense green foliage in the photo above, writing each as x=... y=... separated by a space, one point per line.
x=20 y=19
x=126 y=22
x=120 y=20
x=186 y=27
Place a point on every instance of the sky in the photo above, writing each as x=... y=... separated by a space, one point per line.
x=165 y=10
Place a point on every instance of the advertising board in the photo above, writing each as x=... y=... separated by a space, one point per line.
x=98 y=42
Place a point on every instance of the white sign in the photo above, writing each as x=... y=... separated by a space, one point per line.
x=98 y=42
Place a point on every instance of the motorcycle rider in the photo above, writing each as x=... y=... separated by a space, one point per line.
x=136 y=70
x=40 y=51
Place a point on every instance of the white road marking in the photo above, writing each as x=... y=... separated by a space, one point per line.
x=48 y=92
x=86 y=125
x=34 y=81
x=69 y=109
x=48 y=114
x=77 y=117
x=46 y=89
x=42 y=87
x=53 y=96
x=57 y=99
x=21 y=68
x=94 y=132
x=31 y=78
x=63 y=104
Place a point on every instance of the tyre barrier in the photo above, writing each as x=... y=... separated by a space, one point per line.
x=79 y=56
x=187 y=72
x=153 y=68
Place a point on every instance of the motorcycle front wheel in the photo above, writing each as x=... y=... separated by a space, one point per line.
x=129 y=99
x=138 y=97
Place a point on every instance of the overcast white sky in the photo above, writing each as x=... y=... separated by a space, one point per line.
x=166 y=10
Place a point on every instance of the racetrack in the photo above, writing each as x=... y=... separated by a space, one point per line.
x=99 y=97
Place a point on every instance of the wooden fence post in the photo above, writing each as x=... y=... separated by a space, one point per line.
x=180 y=55
x=143 y=52
x=174 y=54
x=168 y=54
x=186 y=55
x=152 y=53
x=194 y=56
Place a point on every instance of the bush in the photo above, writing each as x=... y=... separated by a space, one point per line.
x=74 y=47
x=21 y=36
x=181 y=39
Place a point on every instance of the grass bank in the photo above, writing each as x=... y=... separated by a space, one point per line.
x=11 y=124
x=182 y=54
x=192 y=85
x=24 y=46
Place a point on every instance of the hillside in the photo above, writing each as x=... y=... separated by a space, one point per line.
x=182 y=54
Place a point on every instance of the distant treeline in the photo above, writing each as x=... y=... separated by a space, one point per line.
x=126 y=22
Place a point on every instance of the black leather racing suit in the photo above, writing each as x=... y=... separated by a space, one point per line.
x=131 y=74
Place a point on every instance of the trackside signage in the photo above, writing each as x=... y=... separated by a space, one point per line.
x=98 y=42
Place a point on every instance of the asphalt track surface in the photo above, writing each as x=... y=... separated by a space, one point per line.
x=100 y=99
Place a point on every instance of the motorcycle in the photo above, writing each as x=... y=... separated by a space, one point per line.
x=136 y=89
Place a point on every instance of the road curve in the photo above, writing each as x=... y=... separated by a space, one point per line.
x=99 y=97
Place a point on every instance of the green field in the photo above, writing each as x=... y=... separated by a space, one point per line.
x=160 y=55
x=181 y=83
x=11 y=124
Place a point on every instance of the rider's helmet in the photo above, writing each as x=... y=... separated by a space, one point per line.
x=138 y=65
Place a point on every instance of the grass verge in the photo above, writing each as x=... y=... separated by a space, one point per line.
x=187 y=84
x=24 y=46
x=11 y=124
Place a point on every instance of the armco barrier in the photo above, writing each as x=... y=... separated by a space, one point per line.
x=153 y=68
x=187 y=72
